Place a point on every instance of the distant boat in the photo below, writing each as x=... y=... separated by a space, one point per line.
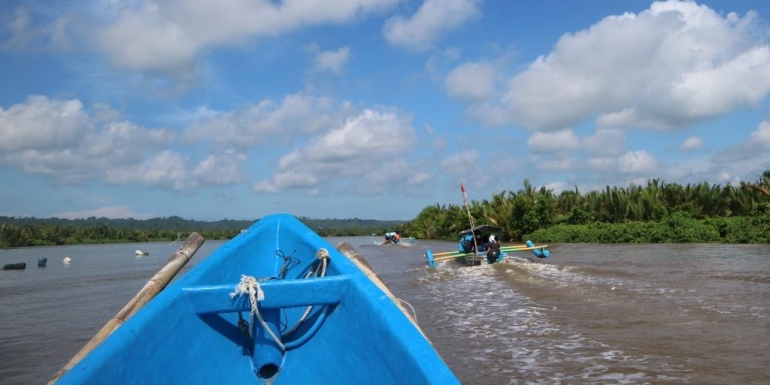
x=277 y=304
x=67 y=260
x=393 y=238
x=141 y=253
x=472 y=247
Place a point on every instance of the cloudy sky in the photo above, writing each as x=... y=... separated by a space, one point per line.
x=212 y=109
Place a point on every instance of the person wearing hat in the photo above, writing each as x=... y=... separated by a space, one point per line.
x=493 y=250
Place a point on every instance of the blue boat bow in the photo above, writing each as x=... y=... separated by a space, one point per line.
x=304 y=313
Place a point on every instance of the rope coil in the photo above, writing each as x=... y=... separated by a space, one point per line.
x=249 y=285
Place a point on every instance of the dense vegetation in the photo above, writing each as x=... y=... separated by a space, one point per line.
x=658 y=212
x=20 y=232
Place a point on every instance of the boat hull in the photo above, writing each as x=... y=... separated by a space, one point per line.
x=190 y=333
x=474 y=260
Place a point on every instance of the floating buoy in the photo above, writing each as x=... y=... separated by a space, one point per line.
x=15 y=266
x=67 y=260
x=41 y=262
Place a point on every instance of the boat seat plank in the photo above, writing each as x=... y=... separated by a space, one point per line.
x=207 y=299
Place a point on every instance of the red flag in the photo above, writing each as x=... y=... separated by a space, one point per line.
x=462 y=187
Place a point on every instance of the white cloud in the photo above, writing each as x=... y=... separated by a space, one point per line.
x=61 y=140
x=637 y=162
x=167 y=36
x=165 y=169
x=124 y=141
x=605 y=142
x=106 y=212
x=755 y=146
x=41 y=123
x=692 y=143
x=549 y=142
x=268 y=121
x=463 y=163
x=663 y=68
x=332 y=61
x=760 y=138
x=472 y=81
x=433 y=20
x=364 y=151
x=220 y=169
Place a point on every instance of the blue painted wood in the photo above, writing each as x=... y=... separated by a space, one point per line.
x=189 y=333
x=278 y=294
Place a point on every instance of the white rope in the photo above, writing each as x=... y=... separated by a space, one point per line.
x=250 y=286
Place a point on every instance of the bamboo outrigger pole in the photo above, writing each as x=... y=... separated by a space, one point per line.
x=154 y=286
x=347 y=250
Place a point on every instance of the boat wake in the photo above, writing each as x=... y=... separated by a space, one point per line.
x=500 y=330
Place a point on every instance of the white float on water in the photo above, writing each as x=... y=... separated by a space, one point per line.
x=140 y=252
x=67 y=260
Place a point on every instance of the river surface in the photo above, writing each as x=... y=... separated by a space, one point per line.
x=590 y=313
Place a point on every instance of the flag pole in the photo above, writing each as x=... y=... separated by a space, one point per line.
x=470 y=218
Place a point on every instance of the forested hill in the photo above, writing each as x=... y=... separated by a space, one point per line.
x=176 y=223
x=21 y=232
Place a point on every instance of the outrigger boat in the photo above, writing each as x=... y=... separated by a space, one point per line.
x=473 y=245
x=278 y=305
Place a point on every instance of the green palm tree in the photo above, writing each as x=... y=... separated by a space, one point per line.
x=762 y=184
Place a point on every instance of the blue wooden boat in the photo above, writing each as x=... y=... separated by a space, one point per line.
x=277 y=304
x=472 y=247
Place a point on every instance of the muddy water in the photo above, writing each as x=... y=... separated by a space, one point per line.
x=609 y=314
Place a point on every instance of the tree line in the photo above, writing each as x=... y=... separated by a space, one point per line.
x=657 y=212
x=23 y=232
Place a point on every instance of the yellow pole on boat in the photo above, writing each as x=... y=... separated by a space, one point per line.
x=450 y=257
x=448 y=253
x=522 y=248
x=447 y=257
x=504 y=248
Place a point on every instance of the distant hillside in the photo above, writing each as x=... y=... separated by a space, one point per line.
x=176 y=223
x=317 y=224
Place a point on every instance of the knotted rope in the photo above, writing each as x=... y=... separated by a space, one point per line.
x=250 y=286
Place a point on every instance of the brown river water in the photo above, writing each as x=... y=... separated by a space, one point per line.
x=588 y=314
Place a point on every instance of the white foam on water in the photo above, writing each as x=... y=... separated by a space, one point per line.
x=574 y=279
x=501 y=332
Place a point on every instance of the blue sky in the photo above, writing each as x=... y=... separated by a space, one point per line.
x=212 y=109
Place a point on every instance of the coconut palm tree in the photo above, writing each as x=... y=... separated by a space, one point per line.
x=762 y=184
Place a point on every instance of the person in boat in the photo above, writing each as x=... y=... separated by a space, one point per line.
x=493 y=250
x=397 y=237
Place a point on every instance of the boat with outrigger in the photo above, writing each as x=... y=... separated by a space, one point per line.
x=474 y=243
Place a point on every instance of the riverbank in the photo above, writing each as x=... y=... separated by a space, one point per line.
x=677 y=228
